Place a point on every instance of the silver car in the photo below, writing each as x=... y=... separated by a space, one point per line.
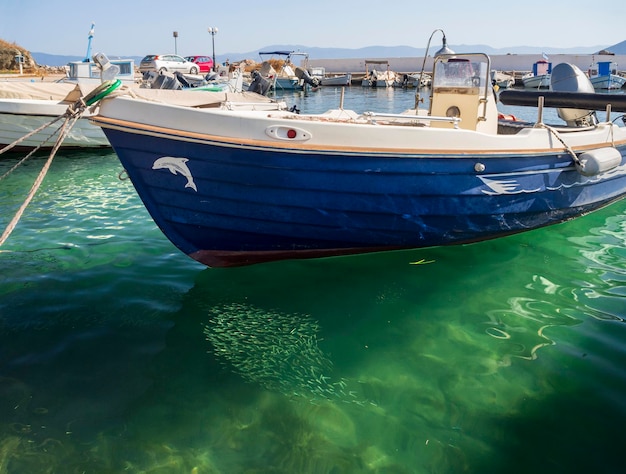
x=167 y=63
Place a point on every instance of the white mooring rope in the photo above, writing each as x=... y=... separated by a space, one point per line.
x=65 y=129
x=71 y=115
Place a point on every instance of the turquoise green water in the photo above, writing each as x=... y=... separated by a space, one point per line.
x=120 y=354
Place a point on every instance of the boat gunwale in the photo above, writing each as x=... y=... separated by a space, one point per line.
x=295 y=147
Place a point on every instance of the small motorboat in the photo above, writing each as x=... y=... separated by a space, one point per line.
x=539 y=78
x=239 y=184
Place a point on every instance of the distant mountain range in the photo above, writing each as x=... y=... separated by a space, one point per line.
x=45 y=59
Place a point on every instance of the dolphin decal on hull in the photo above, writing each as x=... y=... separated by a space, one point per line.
x=176 y=166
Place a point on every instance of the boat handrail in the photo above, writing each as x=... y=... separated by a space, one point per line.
x=557 y=99
x=265 y=105
x=431 y=118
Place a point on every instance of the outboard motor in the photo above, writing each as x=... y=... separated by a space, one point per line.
x=187 y=81
x=150 y=76
x=166 y=81
x=304 y=75
x=180 y=77
x=267 y=70
x=569 y=78
x=259 y=84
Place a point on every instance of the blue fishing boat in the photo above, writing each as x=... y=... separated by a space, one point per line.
x=603 y=75
x=241 y=184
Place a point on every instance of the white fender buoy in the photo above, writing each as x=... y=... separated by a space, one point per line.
x=593 y=162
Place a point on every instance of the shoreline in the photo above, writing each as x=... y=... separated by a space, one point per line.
x=514 y=64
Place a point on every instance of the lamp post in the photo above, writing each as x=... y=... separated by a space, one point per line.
x=213 y=31
x=175 y=34
x=443 y=50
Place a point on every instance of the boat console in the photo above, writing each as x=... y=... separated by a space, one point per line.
x=461 y=88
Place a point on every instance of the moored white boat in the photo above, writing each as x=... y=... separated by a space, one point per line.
x=337 y=80
x=235 y=186
x=603 y=75
x=29 y=106
x=332 y=80
x=502 y=80
x=289 y=76
x=93 y=73
x=25 y=107
x=539 y=78
x=99 y=68
x=421 y=80
x=378 y=74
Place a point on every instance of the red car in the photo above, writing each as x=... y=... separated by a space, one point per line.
x=204 y=62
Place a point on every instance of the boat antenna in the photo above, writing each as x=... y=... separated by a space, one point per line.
x=444 y=50
x=89 y=37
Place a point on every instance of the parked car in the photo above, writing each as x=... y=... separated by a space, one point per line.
x=205 y=62
x=167 y=63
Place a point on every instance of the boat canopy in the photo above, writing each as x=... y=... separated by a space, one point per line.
x=35 y=90
x=280 y=53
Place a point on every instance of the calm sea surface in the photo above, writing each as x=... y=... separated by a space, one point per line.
x=120 y=354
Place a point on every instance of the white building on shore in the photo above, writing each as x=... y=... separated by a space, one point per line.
x=503 y=62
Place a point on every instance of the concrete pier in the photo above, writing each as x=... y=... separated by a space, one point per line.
x=516 y=64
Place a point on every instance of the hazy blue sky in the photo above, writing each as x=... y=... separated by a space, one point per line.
x=138 y=27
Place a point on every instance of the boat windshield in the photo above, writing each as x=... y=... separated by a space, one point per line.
x=460 y=72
